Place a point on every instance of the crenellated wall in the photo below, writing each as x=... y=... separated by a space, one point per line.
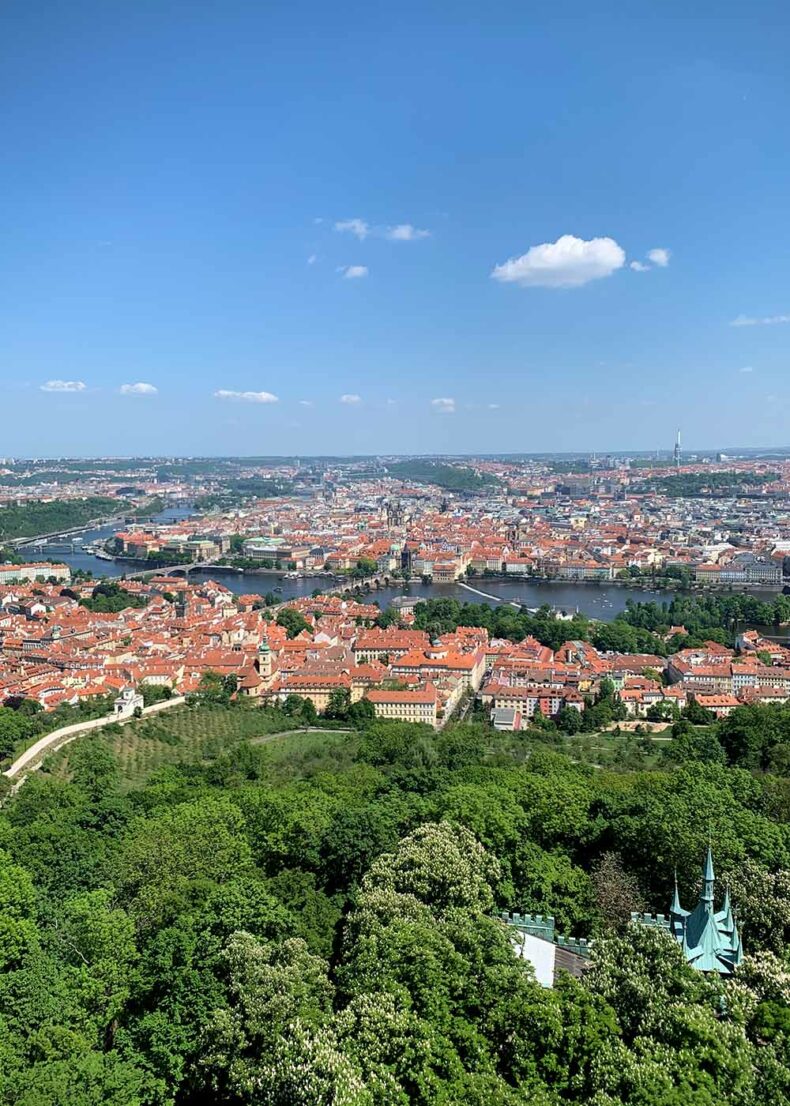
x=542 y=925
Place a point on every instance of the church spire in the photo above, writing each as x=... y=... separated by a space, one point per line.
x=676 y=908
x=709 y=879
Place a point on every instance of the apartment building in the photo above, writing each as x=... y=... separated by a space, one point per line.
x=405 y=705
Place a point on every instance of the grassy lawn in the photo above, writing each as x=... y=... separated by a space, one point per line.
x=613 y=750
x=299 y=755
x=182 y=735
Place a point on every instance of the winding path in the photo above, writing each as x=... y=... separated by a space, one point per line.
x=33 y=757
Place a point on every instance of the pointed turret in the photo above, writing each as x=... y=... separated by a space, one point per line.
x=709 y=879
x=724 y=916
x=675 y=909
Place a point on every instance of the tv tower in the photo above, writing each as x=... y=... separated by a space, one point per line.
x=676 y=451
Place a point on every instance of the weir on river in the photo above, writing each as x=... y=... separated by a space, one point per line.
x=496 y=598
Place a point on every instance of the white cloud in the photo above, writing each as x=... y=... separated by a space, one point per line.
x=312 y=259
x=358 y=227
x=660 y=257
x=494 y=406
x=353 y=272
x=305 y=403
x=64 y=386
x=766 y=320
x=246 y=397
x=351 y=399
x=747 y=369
x=567 y=263
x=139 y=389
x=639 y=267
x=444 y=405
x=405 y=232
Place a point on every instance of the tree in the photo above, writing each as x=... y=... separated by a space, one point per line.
x=155 y=693
x=662 y=711
x=365 y=567
x=361 y=713
x=696 y=714
x=15 y=727
x=568 y=720
x=762 y=899
x=339 y=704
x=97 y=942
x=309 y=712
x=676 y=1045
x=293 y=621
x=175 y=858
x=83 y=1078
x=94 y=768
x=750 y=733
x=691 y=744
x=617 y=892
x=271 y=991
x=214 y=688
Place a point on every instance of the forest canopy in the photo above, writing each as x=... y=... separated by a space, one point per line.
x=321 y=928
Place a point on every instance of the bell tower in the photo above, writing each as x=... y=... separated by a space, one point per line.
x=264 y=661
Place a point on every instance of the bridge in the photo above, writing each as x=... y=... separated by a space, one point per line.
x=61 y=547
x=179 y=570
x=348 y=586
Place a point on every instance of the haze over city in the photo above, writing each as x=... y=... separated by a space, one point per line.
x=279 y=229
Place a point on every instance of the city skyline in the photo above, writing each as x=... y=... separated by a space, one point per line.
x=293 y=231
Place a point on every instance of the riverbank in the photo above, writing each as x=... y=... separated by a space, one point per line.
x=637 y=584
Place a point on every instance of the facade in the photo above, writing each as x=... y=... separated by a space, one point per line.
x=405 y=706
x=709 y=938
x=9 y=574
x=127 y=702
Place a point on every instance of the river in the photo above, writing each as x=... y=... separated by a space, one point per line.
x=602 y=601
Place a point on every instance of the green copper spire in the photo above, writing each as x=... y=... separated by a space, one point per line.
x=708 y=877
x=710 y=939
x=676 y=908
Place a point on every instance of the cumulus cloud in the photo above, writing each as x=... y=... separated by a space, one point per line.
x=246 y=397
x=639 y=267
x=312 y=259
x=305 y=403
x=353 y=272
x=64 y=386
x=139 y=389
x=444 y=405
x=405 y=232
x=358 y=227
x=567 y=263
x=351 y=399
x=659 y=256
x=766 y=320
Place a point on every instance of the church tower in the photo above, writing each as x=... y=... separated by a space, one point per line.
x=265 y=667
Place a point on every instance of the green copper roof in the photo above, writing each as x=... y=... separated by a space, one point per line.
x=709 y=939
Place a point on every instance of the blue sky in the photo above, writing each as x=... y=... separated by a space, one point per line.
x=177 y=176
